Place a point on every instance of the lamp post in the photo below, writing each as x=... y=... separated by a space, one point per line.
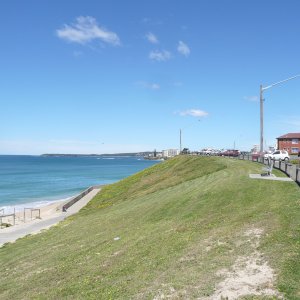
x=180 y=135
x=262 y=89
x=180 y=145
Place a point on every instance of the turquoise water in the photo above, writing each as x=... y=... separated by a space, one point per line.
x=37 y=180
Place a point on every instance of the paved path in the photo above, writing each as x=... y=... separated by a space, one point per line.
x=270 y=177
x=13 y=233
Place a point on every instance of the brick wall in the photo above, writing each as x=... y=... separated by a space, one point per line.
x=289 y=145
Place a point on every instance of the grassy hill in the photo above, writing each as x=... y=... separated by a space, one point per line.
x=174 y=231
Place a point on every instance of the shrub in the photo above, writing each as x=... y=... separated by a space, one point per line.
x=295 y=161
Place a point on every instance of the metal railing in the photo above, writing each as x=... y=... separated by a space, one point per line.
x=291 y=170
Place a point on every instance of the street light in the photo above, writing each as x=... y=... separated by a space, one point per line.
x=180 y=142
x=262 y=89
x=180 y=135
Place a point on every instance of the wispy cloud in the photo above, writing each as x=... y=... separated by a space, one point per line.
x=85 y=30
x=77 y=53
x=183 y=49
x=194 y=113
x=177 y=83
x=152 y=38
x=150 y=21
x=292 y=121
x=160 y=55
x=251 y=98
x=148 y=85
x=146 y=20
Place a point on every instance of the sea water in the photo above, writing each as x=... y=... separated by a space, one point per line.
x=31 y=181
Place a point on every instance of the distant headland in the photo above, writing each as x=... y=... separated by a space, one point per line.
x=96 y=155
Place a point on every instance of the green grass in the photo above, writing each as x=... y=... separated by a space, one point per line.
x=179 y=222
x=295 y=161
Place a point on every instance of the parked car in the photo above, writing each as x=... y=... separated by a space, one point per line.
x=278 y=155
x=245 y=153
x=255 y=155
x=233 y=153
x=216 y=152
x=206 y=151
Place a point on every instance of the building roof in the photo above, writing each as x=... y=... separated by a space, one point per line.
x=290 y=136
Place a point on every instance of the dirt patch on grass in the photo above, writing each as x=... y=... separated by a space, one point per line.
x=171 y=294
x=250 y=275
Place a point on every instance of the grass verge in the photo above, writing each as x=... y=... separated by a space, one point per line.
x=164 y=232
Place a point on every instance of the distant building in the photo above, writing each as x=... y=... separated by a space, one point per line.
x=289 y=142
x=170 y=152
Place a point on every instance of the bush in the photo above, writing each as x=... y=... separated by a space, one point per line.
x=295 y=161
x=5 y=225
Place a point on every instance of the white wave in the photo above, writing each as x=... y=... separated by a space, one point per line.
x=8 y=209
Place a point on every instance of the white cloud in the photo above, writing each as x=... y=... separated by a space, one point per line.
x=251 y=98
x=183 y=49
x=85 y=30
x=148 y=85
x=194 y=113
x=160 y=55
x=152 y=38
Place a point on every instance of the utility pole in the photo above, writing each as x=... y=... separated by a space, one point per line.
x=261 y=150
x=180 y=141
x=262 y=89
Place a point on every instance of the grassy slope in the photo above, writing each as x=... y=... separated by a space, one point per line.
x=179 y=222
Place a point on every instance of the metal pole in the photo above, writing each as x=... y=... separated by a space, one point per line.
x=180 y=141
x=262 y=109
x=261 y=121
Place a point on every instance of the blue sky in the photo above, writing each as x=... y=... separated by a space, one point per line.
x=118 y=76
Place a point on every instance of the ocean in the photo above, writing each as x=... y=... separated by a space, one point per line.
x=32 y=181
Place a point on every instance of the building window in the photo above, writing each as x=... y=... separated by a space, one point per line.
x=295 y=141
x=295 y=150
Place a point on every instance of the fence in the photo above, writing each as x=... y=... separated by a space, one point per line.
x=293 y=171
x=31 y=210
x=7 y=218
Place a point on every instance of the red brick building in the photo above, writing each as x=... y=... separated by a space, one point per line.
x=289 y=142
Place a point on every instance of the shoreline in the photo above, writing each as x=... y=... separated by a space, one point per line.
x=39 y=204
x=47 y=181
x=49 y=215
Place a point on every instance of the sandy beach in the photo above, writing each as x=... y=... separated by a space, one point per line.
x=49 y=215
